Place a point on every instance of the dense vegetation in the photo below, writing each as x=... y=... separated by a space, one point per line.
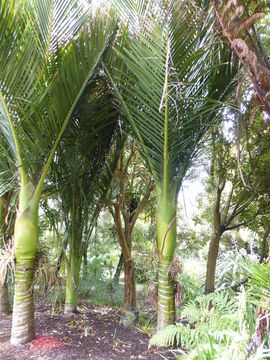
x=108 y=111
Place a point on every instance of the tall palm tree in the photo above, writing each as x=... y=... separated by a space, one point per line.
x=170 y=77
x=44 y=71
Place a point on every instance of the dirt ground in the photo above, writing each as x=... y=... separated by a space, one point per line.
x=93 y=333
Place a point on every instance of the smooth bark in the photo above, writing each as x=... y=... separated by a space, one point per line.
x=166 y=240
x=72 y=277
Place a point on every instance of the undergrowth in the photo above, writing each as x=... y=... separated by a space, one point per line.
x=218 y=327
x=101 y=291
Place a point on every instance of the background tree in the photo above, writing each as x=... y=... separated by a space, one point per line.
x=226 y=206
x=130 y=192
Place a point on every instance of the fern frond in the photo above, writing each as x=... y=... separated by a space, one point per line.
x=172 y=335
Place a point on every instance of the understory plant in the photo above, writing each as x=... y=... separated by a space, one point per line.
x=213 y=326
x=100 y=289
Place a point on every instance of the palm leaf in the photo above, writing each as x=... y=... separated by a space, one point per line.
x=166 y=89
x=44 y=74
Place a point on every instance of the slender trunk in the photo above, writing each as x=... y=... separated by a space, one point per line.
x=4 y=301
x=129 y=284
x=118 y=269
x=215 y=240
x=73 y=267
x=72 y=282
x=212 y=262
x=25 y=242
x=166 y=240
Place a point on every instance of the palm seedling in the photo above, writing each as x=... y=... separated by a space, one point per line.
x=170 y=74
x=45 y=69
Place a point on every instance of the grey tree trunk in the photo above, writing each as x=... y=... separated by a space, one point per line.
x=23 y=328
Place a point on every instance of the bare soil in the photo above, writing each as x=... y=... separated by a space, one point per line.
x=92 y=333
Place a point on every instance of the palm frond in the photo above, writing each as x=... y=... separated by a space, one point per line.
x=168 y=90
x=44 y=74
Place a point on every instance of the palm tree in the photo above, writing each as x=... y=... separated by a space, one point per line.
x=44 y=71
x=170 y=77
x=78 y=164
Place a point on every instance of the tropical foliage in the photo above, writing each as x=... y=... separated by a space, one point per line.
x=104 y=114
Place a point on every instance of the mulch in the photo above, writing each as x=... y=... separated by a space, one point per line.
x=92 y=333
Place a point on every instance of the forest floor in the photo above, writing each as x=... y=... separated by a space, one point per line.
x=92 y=333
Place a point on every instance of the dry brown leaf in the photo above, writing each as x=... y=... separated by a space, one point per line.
x=248 y=23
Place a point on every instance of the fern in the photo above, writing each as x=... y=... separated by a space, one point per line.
x=217 y=328
x=172 y=335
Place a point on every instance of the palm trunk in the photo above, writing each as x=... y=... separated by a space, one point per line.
x=129 y=284
x=73 y=268
x=25 y=242
x=4 y=301
x=74 y=264
x=166 y=301
x=72 y=283
x=23 y=329
x=166 y=239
